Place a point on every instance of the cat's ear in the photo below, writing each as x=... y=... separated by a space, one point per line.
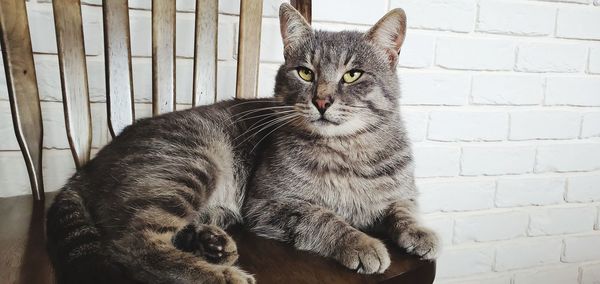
x=294 y=28
x=389 y=32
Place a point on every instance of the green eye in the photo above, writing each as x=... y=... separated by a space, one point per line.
x=351 y=76
x=305 y=74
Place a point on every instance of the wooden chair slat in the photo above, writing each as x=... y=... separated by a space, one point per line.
x=304 y=7
x=249 y=48
x=205 y=52
x=117 y=56
x=163 y=56
x=22 y=88
x=73 y=78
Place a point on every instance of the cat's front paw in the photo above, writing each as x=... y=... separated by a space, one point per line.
x=208 y=241
x=420 y=241
x=364 y=254
x=234 y=275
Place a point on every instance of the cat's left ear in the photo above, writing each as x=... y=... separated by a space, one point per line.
x=389 y=33
x=294 y=28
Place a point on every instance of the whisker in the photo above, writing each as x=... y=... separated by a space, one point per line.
x=240 y=119
x=255 y=101
x=284 y=123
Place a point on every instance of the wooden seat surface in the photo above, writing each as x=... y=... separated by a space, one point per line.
x=23 y=257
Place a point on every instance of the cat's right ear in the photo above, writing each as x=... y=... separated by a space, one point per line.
x=294 y=28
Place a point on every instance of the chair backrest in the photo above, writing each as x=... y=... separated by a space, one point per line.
x=22 y=83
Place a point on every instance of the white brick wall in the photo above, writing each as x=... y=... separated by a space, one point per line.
x=501 y=99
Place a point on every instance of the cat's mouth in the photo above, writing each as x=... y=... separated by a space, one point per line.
x=324 y=121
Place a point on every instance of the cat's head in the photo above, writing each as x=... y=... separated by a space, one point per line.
x=339 y=83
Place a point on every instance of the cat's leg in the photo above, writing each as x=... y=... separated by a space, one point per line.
x=313 y=228
x=152 y=258
x=403 y=226
x=207 y=241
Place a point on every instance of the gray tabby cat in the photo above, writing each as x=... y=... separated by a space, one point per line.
x=324 y=159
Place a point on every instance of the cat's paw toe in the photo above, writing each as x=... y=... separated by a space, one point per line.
x=366 y=255
x=207 y=241
x=420 y=241
x=234 y=275
x=217 y=246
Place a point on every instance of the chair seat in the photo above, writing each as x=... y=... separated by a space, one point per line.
x=23 y=257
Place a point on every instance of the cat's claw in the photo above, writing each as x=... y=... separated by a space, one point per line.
x=420 y=241
x=208 y=241
x=365 y=254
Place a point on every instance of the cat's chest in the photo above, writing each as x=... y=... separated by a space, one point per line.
x=358 y=200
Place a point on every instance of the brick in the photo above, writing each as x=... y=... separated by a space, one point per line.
x=583 y=188
x=184 y=82
x=266 y=80
x=528 y=125
x=507 y=89
x=467 y=126
x=13 y=174
x=497 y=160
x=143 y=110
x=434 y=161
x=415 y=123
x=529 y=191
x=442 y=225
x=591 y=125
x=590 y=273
x=578 y=22
x=594 y=63
x=515 y=18
x=57 y=167
x=55 y=135
x=457 y=262
x=582 y=248
x=434 y=88
x=417 y=51
x=449 y=15
x=527 y=253
x=577 y=91
x=232 y=7
x=140 y=4
x=43 y=37
x=48 y=77
x=551 y=57
x=142 y=79
x=227 y=41
x=3 y=88
x=568 y=157
x=465 y=195
x=475 y=54
x=96 y=79
x=490 y=227
x=184 y=40
x=271 y=45
x=332 y=11
x=140 y=25
x=226 y=75
x=100 y=134
x=495 y=278
x=7 y=132
x=571 y=1
x=558 y=221
x=555 y=275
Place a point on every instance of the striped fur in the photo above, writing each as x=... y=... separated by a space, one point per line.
x=329 y=177
x=152 y=204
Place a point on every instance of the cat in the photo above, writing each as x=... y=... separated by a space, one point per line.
x=344 y=164
x=323 y=159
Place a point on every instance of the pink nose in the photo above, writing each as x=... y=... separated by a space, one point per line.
x=322 y=104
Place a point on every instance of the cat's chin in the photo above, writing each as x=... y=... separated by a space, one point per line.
x=329 y=128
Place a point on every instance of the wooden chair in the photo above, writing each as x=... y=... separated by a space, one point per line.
x=22 y=248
